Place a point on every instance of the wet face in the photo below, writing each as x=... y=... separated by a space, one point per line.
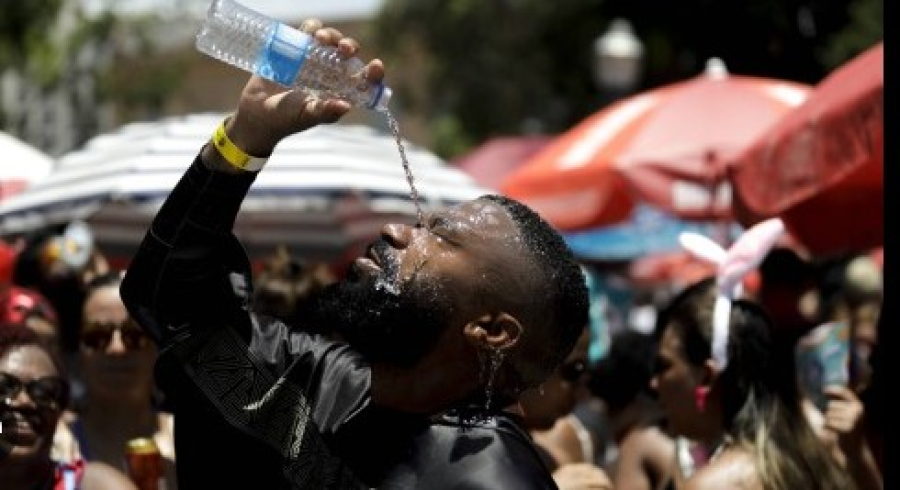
x=416 y=281
x=558 y=395
x=31 y=401
x=117 y=358
x=675 y=380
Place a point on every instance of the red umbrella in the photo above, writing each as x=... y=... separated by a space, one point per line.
x=496 y=158
x=666 y=146
x=821 y=168
x=678 y=268
x=878 y=256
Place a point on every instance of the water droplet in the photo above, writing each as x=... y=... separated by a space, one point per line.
x=413 y=192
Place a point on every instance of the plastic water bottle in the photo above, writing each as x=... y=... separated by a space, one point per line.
x=256 y=43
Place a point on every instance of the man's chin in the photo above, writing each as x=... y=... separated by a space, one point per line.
x=383 y=326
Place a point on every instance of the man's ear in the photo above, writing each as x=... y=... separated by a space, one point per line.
x=494 y=331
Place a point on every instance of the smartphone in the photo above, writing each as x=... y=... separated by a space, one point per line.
x=823 y=359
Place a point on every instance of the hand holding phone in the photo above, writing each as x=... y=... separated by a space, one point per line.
x=823 y=359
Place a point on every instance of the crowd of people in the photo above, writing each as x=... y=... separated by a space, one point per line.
x=454 y=354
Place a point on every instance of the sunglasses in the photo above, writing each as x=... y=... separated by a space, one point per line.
x=98 y=335
x=573 y=371
x=46 y=392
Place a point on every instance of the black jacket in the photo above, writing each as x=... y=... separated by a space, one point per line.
x=260 y=405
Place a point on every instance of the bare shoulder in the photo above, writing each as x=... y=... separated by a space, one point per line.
x=651 y=443
x=646 y=459
x=732 y=469
x=101 y=476
x=582 y=475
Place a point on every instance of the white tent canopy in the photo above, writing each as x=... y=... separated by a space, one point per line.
x=322 y=190
x=21 y=165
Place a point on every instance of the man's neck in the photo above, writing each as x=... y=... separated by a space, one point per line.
x=433 y=386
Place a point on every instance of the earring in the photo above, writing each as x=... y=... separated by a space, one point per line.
x=700 y=394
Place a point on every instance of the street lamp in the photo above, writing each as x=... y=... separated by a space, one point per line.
x=618 y=56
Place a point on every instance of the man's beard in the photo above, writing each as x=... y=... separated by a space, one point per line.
x=381 y=323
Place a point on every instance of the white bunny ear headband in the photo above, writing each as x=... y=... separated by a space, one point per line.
x=733 y=264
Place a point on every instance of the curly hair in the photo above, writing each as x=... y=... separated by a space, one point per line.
x=557 y=305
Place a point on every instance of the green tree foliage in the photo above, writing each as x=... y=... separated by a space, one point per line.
x=488 y=64
x=866 y=28
x=26 y=40
x=477 y=68
x=142 y=78
x=55 y=48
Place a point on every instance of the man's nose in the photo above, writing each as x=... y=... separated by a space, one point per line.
x=116 y=344
x=397 y=235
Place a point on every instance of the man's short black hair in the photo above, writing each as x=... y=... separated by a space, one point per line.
x=563 y=301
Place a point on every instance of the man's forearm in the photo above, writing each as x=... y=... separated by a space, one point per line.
x=178 y=251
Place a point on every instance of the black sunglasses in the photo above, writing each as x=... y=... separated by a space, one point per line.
x=573 y=371
x=98 y=335
x=46 y=392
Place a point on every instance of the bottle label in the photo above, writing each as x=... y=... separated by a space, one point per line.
x=283 y=55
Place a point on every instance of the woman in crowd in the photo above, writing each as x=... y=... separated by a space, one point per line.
x=850 y=296
x=33 y=394
x=644 y=455
x=738 y=404
x=117 y=362
x=547 y=414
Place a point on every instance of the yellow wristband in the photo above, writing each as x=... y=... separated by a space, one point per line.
x=235 y=156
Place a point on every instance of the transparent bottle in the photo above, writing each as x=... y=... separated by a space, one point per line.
x=275 y=51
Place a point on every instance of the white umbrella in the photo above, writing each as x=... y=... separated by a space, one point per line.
x=20 y=165
x=322 y=190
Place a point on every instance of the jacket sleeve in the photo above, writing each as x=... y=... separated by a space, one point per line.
x=189 y=287
x=188 y=269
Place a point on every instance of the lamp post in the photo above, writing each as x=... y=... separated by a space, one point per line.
x=618 y=59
